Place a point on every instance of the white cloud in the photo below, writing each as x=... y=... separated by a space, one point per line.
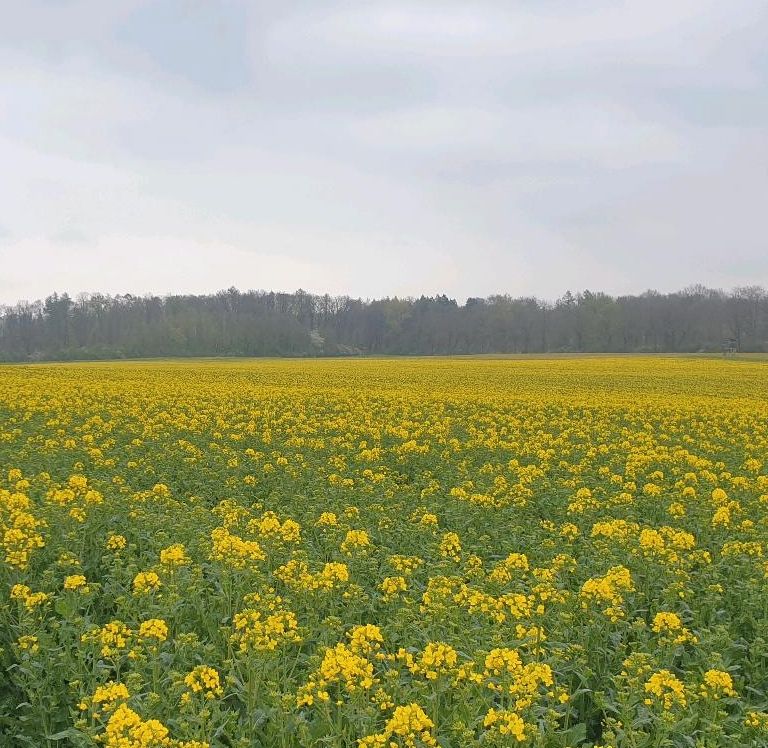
x=386 y=148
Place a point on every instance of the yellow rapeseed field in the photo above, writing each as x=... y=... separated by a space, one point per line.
x=384 y=553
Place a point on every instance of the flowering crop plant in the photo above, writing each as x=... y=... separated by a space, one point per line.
x=544 y=553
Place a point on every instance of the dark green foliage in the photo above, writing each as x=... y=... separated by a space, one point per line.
x=259 y=323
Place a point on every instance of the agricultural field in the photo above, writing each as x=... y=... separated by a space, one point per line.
x=380 y=553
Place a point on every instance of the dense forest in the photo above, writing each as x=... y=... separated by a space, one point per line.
x=259 y=323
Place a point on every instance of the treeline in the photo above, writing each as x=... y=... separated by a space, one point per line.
x=259 y=323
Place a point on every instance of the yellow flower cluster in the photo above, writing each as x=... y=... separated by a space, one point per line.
x=405 y=564
x=716 y=684
x=270 y=526
x=76 y=582
x=261 y=632
x=340 y=665
x=344 y=664
x=442 y=593
x=671 y=628
x=409 y=724
x=505 y=673
x=508 y=724
x=355 y=541
x=204 y=680
x=365 y=639
x=436 y=659
x=106 y=697
x=126 y=729
x=667 y=689
x=233 y=551
x=114 y=637
x=450 y=546
x=609 y=588
x=30 y=599
x=174 y=555
x=146 y=581
x=28 y=643
x=115 y=542
x=757 y=721
x=19 y=529
x=296 y=574
x=154 y=628
x=393 y=586
x=327 y=519
x=504 y=571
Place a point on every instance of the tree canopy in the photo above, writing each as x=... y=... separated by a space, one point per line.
x=266 y=323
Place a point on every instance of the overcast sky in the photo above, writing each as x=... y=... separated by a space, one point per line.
x=382 y=148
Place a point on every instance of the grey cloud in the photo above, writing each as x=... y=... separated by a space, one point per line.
x=203 y=43
x=387 y=147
